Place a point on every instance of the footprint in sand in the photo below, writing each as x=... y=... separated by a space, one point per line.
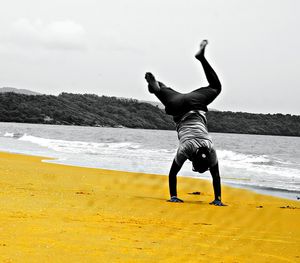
x=82 y=193
x=205 y=224
x=290 y=207
x=195 y=193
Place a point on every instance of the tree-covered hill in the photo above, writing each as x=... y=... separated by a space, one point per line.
x=250 y=123
x=93 y=110
x=78 y=109
x=21 y=91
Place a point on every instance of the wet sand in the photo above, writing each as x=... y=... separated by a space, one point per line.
x=59 y=213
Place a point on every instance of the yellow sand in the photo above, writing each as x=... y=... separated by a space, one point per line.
x=57 y=213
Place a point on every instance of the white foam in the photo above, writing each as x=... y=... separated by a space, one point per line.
x=243 y=158
x=80 y=146
x=9 y=134
x=257 y=164
x=255 y=168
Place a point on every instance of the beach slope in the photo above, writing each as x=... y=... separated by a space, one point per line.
x=58 y=213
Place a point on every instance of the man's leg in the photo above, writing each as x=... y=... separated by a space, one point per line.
x=205 y=95
x=177 y=103
x=212 y=78
x=153 y=85
x=171 y=99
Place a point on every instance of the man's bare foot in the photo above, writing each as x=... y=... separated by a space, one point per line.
x=153 y=85
x=200 y=53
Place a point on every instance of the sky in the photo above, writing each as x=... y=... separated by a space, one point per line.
x=105 y=48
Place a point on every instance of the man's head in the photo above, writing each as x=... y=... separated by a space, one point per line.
x=200 y=160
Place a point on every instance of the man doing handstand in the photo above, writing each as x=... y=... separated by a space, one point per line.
x=189 y=113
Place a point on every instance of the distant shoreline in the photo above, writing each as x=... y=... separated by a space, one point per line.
x=95 y=111
x=116 y=127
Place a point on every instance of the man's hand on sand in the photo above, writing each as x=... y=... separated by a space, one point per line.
x=217 y=203
x=175 y=199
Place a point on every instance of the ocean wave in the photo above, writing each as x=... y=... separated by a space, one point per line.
x=8 y=134
x=12 y=135
x=243 y=158
x=261 y=165
x=78 y=146
x=257 y=164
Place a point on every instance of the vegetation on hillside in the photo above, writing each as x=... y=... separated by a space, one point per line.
x=250 y=123
x=78 y=109
x=93 y=110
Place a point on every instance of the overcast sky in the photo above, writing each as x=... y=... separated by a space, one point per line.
x=105 y=48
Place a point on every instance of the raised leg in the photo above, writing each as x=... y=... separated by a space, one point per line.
x=171 y=99
x=153 y=84
x=177 y=103
x=210 y=74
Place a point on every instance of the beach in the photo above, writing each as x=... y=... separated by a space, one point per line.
x=60 y=213
x=265 y=164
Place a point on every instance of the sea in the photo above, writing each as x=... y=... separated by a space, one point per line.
x=264 y=164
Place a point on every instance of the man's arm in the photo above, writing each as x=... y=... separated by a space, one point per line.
x=214 y=171
x=175 y=168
